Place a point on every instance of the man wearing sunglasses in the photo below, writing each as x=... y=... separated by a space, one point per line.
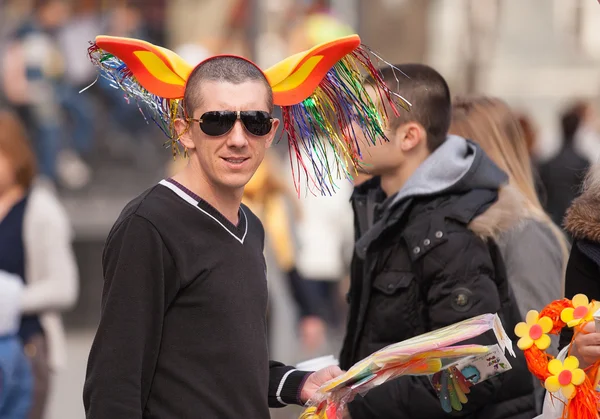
x=183 y=326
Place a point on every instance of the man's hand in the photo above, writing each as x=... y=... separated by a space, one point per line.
x=586 y=345
x=316 y=380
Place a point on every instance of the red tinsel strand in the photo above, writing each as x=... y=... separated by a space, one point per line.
x=362 y=55
x=288 y=127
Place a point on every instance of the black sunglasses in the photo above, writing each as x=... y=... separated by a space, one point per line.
x=217 y=123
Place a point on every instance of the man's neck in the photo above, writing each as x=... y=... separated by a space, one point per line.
x=227 y=203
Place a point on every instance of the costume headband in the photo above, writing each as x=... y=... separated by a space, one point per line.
x=320 y=91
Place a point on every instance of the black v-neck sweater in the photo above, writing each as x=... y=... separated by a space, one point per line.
x=183 y=325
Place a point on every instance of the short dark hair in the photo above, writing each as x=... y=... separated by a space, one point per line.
x=571 y=120
x=429 y=95
x=229 y=69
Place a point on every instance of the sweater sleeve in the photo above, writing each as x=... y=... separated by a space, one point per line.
x=285 y=384
x=126 y=346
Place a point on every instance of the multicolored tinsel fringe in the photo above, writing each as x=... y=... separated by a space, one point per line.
x=161 y=111
x=322 y=131
x=330 y=119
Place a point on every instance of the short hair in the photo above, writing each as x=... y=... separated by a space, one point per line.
x=224 y=68
x=429 y=95
x=15 y=145
x=571 y=119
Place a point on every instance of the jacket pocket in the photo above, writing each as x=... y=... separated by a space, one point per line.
x=391 y=282
x=394 y=312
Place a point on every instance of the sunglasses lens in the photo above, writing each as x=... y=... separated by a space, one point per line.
x=257 y=123
x=217 y=123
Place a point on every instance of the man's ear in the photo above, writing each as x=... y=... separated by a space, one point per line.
x=184 y=133
x=271 y=135
x=411 y=135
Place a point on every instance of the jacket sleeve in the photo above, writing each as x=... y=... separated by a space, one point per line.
x=56 y=284
x=461 y=285
x=285 y=384
x=581 y=278
x=126 y=346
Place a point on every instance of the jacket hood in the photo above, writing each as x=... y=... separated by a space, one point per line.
x=505 y=214
x=582 y=219
x=457 y=166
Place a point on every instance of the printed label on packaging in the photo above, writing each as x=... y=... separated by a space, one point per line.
x=479 y=368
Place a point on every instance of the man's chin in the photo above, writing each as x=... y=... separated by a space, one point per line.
x=236 y=182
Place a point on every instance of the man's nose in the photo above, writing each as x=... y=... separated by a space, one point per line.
x=237 y=136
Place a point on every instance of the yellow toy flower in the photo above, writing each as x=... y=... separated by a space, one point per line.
x=582 y=312
x=533 y=331
x=564 y=376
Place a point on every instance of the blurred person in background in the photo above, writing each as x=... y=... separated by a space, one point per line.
x=324 y=231
x=311 y=23
x=35 y=245
x=530 y=134
x=237 y=30
x=425 y=257
x=133 y=137
x=534 y=249
x=33 y=72
x=587 y=138
x=533 y=246
x=325 y=243
x=582 y=222
x=270 y=198
x=16 y=382
x=194 y=52
x=563 y=174
x=81 y=115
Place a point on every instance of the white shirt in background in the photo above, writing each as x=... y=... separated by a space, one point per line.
x=11 y=292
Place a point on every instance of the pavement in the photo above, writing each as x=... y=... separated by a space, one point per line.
x=66 y=400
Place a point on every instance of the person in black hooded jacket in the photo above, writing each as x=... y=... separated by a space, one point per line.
x=424 y=256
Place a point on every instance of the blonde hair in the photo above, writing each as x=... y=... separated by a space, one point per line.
x=15 y=145
x=492 y=124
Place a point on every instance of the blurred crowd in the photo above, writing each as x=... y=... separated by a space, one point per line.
x=56 y=131
x=45 y=66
